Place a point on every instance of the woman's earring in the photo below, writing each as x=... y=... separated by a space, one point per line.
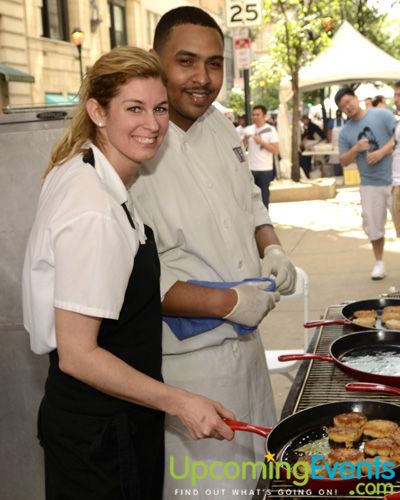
x=100 y=124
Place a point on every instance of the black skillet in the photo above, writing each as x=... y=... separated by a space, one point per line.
x=359 y=305
x=310 y=425
x=371 y=342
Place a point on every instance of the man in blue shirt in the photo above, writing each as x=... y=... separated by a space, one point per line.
x=367 y=140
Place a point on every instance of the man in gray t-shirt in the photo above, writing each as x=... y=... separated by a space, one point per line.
x=367 y=140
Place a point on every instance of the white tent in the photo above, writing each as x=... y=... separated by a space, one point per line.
x=350 y=58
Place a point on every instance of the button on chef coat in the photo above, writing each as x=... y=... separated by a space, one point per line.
x=79 y=229
x=199 y=197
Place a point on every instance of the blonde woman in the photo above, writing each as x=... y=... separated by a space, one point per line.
x=92 y=301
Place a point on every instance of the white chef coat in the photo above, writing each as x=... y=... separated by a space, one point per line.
x=199 y=197
x=259 y=158
x=81 y=249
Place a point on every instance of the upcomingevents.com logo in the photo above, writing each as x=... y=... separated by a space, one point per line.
x=379 y=472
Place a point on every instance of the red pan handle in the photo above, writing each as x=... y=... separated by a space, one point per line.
x=302 y=357
x=324 y=322
x=244 y=426
x=369 y=387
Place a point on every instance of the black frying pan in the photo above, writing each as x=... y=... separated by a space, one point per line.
x=373 y=342
x=308 y=425
x=359 y=305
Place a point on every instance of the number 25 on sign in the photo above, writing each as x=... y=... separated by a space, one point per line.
x=243 y=13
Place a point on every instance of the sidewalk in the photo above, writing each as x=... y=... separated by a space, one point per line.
x=325 y=238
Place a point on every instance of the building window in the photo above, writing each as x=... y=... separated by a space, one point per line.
x=152 y=20
x=55 y=19
x=118 y=35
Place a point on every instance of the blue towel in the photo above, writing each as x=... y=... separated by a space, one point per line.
x=184 y=328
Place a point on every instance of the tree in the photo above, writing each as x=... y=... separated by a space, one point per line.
x=263 y=91
x=299 y=35
x=303 y=28
x=236 y=100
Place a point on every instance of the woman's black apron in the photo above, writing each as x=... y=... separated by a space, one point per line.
x=98 y=447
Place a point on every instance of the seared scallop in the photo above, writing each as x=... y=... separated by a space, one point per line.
x=390 y=316
x=395 y=454
x=379 y=428
x=392 y=309
x=365 y=312
x=367 y=321
x=345 y=455
x=381 y=446
x=354 y=419
x=396 y=437
x=346 y=435
x=393 y=324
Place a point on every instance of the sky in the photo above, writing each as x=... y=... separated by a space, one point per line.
x=386 y=6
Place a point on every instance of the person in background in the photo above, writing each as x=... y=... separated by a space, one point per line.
x=334 y=127
x=241 y=126
x=311 y=134
x=272 y=119
x=379 y=102
x=262 y=145
x=396 y=165
x=212 y=230
x=367 y=140
x=368 y=102
x=91 y=297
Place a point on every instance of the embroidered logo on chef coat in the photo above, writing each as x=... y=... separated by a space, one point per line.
x=239 y=153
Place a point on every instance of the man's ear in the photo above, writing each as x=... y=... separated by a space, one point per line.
x=96 y=112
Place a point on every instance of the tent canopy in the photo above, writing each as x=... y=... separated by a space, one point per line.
x=350 y=58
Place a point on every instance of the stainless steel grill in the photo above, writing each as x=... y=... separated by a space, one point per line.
x=322 y=382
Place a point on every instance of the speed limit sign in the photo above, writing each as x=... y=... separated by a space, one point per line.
x=243 y=13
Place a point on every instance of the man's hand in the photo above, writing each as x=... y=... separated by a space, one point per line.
x=257 y=138
x=276 y=263
x=362 y=145
x=252 y=305
x=374 y=157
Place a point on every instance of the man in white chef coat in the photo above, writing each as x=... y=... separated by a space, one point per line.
x=210 y=226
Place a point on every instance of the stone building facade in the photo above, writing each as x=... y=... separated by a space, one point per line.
x=39 y=64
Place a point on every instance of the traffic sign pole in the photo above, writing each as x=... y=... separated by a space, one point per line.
x=243 y=14
x=247 y=108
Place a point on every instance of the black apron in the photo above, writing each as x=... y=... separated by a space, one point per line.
x=98 y=447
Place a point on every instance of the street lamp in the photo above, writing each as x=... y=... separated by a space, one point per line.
x=78 y=37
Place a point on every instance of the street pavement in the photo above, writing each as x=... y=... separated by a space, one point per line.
x=325 y=238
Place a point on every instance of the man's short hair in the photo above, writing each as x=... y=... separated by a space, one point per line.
x=378 y=99
x=179 y=16
x=262 y=107
x=342 y=92
x=397 y=85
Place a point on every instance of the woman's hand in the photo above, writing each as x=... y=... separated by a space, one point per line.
x=202 y=417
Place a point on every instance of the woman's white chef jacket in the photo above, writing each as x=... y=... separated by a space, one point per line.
x=81 y=248
x=199 y=197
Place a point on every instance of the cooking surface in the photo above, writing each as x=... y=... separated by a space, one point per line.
x=318 y=382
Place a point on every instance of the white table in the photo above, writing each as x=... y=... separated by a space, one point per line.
x=321 y=153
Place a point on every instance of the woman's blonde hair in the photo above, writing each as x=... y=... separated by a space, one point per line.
x=102 y=82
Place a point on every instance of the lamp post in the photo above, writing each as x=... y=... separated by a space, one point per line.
x=78 y=37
